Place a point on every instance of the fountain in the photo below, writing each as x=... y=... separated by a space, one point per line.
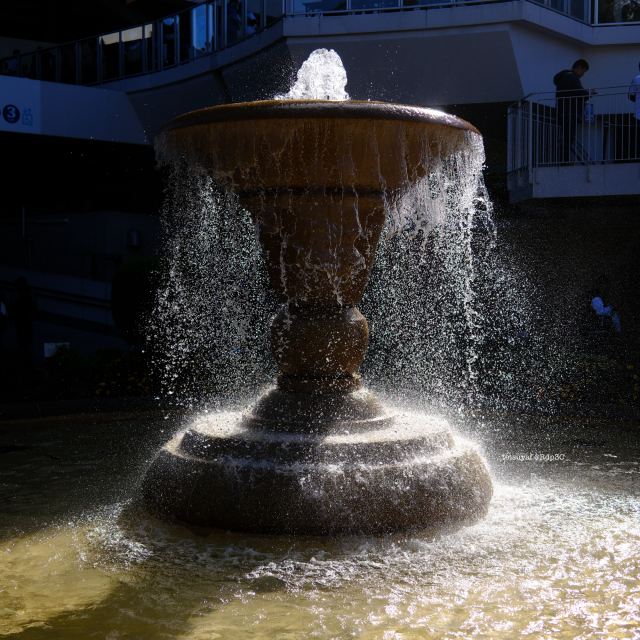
x=556 y=555
x=319 y=453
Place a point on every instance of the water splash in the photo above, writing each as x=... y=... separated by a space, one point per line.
x=322 y=76
x=565 y=536
x=442 y=302
x=210 y=327
x=443 y=305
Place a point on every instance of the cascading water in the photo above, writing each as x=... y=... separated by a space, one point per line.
x=320 y=453
x=439 y=292
x=211 y=322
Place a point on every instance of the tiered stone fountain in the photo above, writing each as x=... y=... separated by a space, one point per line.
x=319 y=453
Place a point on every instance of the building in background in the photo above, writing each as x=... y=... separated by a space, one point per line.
x=79 y=117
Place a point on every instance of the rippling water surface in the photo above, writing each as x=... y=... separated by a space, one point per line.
x=557 y=557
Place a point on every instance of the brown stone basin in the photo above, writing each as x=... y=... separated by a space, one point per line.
x=315 y=174
x=283 y=145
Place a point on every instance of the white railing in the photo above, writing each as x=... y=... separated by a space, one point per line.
x=215 y=24
x=546 y=130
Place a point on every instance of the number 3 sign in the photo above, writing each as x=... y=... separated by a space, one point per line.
x=11 y=113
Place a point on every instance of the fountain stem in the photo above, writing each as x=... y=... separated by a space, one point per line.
x=319 y=348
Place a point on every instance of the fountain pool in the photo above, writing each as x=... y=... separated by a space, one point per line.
x=555 y=557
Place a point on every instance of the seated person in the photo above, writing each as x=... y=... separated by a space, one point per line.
x=603 y=312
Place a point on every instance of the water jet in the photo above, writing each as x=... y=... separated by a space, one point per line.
x=319 y=453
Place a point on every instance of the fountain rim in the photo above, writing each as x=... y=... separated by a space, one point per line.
x=315 y=109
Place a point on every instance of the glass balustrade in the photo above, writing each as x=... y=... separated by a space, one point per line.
x=274 y=11
x=47 y=64
x=67 y=64
x=374 y=6
x=88 y=61
x=185 y=41
x=200 y=30
x=578 y=9
x=211 y=26
x=254 y=16
x=28 y=66
x=149 y=49
x=168 y=42
x=319 y=7
x=618 y=11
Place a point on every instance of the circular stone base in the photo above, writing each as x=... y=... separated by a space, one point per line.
x=224 y=473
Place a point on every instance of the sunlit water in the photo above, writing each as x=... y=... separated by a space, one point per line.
x=441 y=298
x=557 y=556
x=322 y=76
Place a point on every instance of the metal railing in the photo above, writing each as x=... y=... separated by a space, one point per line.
x=577 y=9
x=596 y=12
x=546 y=130
x=214 y=25
x=146 y=48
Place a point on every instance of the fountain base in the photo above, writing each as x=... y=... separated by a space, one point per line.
x=409 y=472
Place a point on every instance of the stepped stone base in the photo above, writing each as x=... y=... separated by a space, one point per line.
x=408 y=472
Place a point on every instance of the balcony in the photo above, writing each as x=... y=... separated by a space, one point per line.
x=571 y=147
x=211 y=26
x=146 y=48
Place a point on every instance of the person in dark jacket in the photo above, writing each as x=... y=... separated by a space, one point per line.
x=22 y=312
x=233 y=21
x=4 y=314
x=570 y=100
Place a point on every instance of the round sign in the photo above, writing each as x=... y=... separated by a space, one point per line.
x=11 y=113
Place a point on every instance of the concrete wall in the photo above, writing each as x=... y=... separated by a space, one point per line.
x=48 y=108
x=427 y=68
x=621 y=179
x=156 y=105
x=69 y=244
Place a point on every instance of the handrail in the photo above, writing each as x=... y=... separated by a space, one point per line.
x=552 y=94
x=546 y=129
x=209 y=27
x=388 y=6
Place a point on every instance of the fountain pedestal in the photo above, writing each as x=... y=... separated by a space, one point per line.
x=318 y=454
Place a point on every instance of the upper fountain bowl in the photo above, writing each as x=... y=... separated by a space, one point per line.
x=317 y=176
x=313 y=144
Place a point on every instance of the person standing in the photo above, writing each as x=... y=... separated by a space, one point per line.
x=634 y=96
x=570 y=101
x=233 y=21
x=4 y=315
x=22 y=312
